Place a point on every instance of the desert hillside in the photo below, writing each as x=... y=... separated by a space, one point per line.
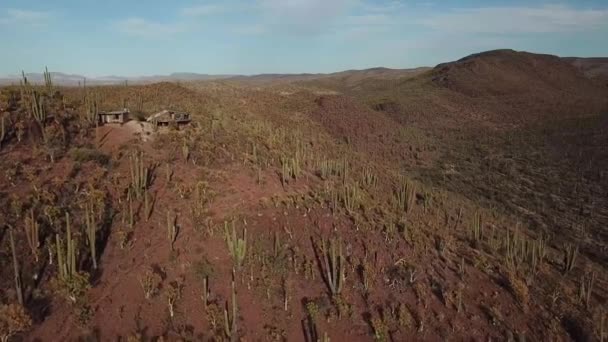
x=463 y=202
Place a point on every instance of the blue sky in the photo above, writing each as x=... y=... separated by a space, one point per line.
x=145 y=37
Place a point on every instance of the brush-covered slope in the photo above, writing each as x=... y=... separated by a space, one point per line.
x=508 y=72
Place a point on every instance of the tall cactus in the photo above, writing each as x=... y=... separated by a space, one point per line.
x=334 y=266
x=92 y=109
x=17 y=272
x=91 y=233
x=66 y=258
x=2 y=130
x=139 y=174
x=236 y=245
x=48 y=80
x=32 y=233
x=38 y=111
x=230 y=318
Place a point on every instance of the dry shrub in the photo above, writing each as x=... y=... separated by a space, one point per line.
x=13 y=320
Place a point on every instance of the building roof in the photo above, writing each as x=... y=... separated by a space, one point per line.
x=169 y=115
x=158 y=115
x=115 y=112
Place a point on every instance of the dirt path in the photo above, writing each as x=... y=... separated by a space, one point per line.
x=110 y=137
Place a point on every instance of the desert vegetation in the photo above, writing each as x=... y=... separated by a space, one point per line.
x=416 y=208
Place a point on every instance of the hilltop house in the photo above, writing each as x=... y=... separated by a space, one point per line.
x=118 y=116
x=167 y=117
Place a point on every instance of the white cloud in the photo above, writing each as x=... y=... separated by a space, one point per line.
x=544 y=19
x=305 y=15
x=14 y=16
x=202 y=10
x=150 y=29
x=388 y=7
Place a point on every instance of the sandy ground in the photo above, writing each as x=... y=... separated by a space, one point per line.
x=112 y=136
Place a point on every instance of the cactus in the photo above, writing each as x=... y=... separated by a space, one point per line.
x=92 y=109
x=31 y=233
x=173 y=293
x=70 y=283
x=570 y=254
x=37 y=108
x=477 y=229
x=205 y=295
x=370 y=179
x=230 y=325
x=350 y=197
x=150 y=283
x=333 y=265
x=91 y=227
x=237 y=246
x=131 y=211
x=586 y=288
x=168 y=173
x=139 y=174
x=66 y=258
x=185 y=151
x=2 y=130
x=147 y=207
x=406 y=196
x=171 y=229
x=48 y=80
x=17 y=272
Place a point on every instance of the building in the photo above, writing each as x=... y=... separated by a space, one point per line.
x=167 y=117
x=118 y=116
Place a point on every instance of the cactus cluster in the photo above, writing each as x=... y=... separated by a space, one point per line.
x=476 y=229
x=91 y=232
x=370 y=179
x=405 y=196
x=333 y=265
x=520 y=250
x=71 y=283
x=32 y=233
x=290 y=169
x=350 y=197
x=236 y=245
x=140 y=174
x=66 y=258
x=329 y=168
x=92 y=109
x=37 y=108
x=48 y=81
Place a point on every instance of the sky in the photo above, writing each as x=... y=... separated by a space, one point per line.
x=152 y=37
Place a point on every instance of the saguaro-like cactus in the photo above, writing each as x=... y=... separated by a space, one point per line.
x=2 y=130
x=32 y=234
x=48 y=80
x=139 y=174
x=66 y=258
x=333 y=264
x=230 y=319
x=91 y=233
x=17 y=271
x=92 y=109
x=171 y=229
x=237 y=246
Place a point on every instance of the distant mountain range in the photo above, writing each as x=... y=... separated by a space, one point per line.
x=72 y=79
x=592 y=67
